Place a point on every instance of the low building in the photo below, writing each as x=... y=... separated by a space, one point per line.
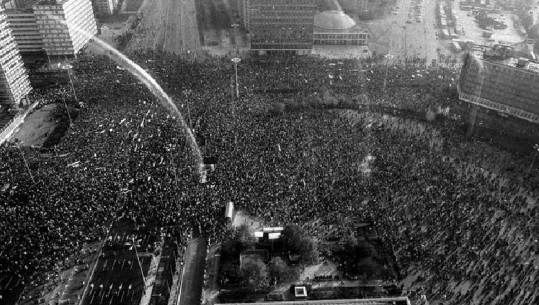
x=336 y=28
x=14 y=82
x=377 y=301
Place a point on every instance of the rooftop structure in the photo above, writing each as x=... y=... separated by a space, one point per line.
x=280 y=25
x=380 y=301
x=511 y=90
x=337 y=28
x=14 y=82
x=334 y=20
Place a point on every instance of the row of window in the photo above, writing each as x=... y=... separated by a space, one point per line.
x=308 y=3
x=14 y=23
x=19 y=16
x=341 y=42
x=340 y=36
x=28 y=36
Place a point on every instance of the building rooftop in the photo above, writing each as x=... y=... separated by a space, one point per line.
x=333 y=20
x=380 y=301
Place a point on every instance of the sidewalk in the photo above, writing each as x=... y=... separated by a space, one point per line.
x=8 y=131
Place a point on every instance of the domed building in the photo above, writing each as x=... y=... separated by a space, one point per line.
x=337 y=28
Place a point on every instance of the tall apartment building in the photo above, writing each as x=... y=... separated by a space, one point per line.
x=23 y=24
x=14 y=82
x=105 y=7
x=280 y=25
x=65 y=25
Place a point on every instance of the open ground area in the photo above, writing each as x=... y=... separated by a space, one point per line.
x=133 y=5
x=37 y=126
x=466 y=20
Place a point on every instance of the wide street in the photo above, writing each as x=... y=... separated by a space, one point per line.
x=167 y=25
x=401 y=35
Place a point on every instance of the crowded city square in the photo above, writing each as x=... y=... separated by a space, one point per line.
x=287 y=144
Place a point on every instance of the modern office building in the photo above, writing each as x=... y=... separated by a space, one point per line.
x=65 y=25
x=337 y=28
x=510 y=87
x=25 y=30
x=280 y=25
x=14 y=82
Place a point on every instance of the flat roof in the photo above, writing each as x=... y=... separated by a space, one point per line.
x=377 y=301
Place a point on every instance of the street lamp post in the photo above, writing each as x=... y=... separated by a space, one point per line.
x=187 y=92
x=69 y=67
x=135 y=244
x=25 y=162
x=67 y=109
x=236 y=60
x=536 y=148
x=387 y=56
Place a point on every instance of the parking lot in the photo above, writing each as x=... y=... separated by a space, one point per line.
x=465 y=22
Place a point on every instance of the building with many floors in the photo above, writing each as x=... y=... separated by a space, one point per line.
x=65 y=25
x=55 y=27
x=14 y=81
x=25 y=30
x=280 y=25
x=508 y=87
x=105 y=7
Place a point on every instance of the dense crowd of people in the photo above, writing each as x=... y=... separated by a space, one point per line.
x=461 y=223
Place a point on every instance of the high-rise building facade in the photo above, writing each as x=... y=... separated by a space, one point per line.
x=25 y=30
x=280 y=25
x=65 y=25
x=105 y=7
x=14 y=82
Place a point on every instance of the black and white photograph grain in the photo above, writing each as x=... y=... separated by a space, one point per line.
x=269 y=152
